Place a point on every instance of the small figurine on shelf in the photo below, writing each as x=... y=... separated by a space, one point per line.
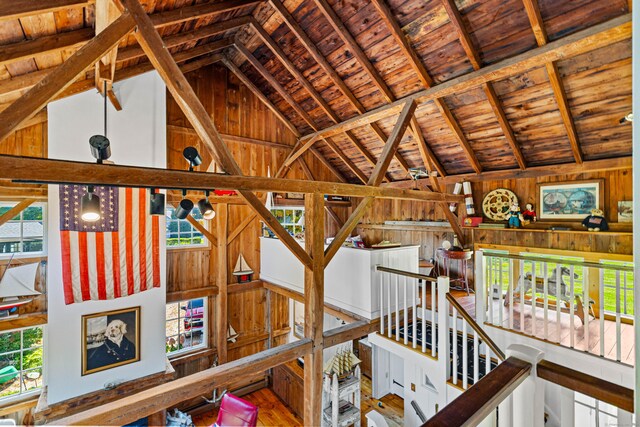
x=514 y=216
x=529 y=214
x=596 y=221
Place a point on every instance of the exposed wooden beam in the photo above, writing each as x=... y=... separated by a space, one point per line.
x=354 y=48
x=198 y=11
x=62 y=77
x=328 y=165
x=347 y=161
x=16 y=9
x=50 y=171
x=313 y=308
x=252 y=87
x=463 y=35
x=595 y=37
x=476 y=62
x=299 y=152
x=134 y=52
x=240 y=228
x=275 y=84
x=222 y=280
x=195 y=112
x=206 y=233
x=114 y=99
x=334 y=216
x=496 y=106
x=537 y=25
x=15 y=211
x=350 y=332
x=447 y=115
x=232 y=138
x=374 y=181
x=428 y=157
x=106 y=13
x=309 y=45
x=42 y=45
x=135 y=406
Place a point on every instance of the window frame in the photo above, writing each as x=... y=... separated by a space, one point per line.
x=205 y=223
x=289 y=225
x=205 y=327
x=21 y=254
x=26 y=393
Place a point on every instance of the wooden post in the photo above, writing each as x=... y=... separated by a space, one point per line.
x=222 y=225
x=313 y=307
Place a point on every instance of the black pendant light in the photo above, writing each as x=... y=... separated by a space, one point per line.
x=90 y=206
x=100 y=145
x=205 y=207
x=156 y=203
x=185 y=207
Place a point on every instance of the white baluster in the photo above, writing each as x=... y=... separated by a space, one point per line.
x=424 y=316
x=567 y=407
x=443 y=326
x=465 y=356
x=487 y=361
x=558 y=300
x=476 y=357
x=572 y=299
x=618 y=319
x=434 y=293
x=511 y=285
x=397 y=310
x=545 y=278
x=381 y=276
x=404 y=305
x=601 y=310
x=534 y=296
x=389 y=305
x=585 y=307
x=481 y=288
x=521 y=287
x=454 y=343
x=500 y=303
x=414 y=309
x=490 y=289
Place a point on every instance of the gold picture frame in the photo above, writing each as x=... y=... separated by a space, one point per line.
x=110 y=339
x=569 y=201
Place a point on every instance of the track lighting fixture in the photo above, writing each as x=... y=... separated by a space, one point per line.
x=90 y=206
x=192 y=156
x=100 y=146
x=184 y=207
x=205 y=207
x=156 y=203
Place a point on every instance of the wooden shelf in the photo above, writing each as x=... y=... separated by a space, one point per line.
x=540 y=230
x=23 y=321
x=277 y=203
x=446 y=228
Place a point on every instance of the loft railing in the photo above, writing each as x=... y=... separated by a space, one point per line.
x=418 y=311
x=512 y=395
x=578 y=304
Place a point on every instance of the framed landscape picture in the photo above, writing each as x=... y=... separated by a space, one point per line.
x=569 y=201
x=110 y=339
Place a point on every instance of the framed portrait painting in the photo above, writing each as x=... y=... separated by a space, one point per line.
x=569 y=201
x=110 y=339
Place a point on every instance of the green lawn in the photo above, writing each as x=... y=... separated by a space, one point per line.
x=609 y=280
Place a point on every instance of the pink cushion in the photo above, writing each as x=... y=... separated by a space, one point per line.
x=236 y=412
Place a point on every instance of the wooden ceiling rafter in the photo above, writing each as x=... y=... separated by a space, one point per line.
x=262 y=70
x=324 y=105
x=555 y=79
x=16 y=9
x=313 y=50
x=423 y=75
x=151 y=41
x=474 y=57
x=592 y=38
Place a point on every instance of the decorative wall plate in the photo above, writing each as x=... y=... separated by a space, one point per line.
x=496 y=204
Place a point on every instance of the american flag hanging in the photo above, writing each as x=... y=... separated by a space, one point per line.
x=118 y=255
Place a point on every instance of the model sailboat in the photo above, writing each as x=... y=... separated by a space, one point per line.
x=242 y=270
x=16 y=286
x=342 y=363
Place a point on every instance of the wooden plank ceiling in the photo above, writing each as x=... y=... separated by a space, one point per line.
x=320 y=62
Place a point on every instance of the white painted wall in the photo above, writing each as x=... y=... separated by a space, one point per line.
x=138 y=137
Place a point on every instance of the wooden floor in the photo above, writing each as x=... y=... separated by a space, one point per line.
x=273 y=412
x=561 y=332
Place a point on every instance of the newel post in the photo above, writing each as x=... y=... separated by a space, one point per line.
x=480 y=288
x=528 y=398
x=443 y=325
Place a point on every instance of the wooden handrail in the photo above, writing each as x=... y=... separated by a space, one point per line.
x=586 y=384
x=483 y=335
x=558 y=261
x=406 y=273
x=477 y=403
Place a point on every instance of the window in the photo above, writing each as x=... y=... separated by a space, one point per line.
x=25 y=232
x=180 y=232
x=20 y=362
x=186 y=325
x=291 y=218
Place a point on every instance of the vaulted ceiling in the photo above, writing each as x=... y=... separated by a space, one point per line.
x=318 y=63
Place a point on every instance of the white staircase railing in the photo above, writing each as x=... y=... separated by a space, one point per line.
x=582 y=305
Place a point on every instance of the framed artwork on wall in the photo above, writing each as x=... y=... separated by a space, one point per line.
x=625 y=211
x=569 y=201
x=110 y=339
